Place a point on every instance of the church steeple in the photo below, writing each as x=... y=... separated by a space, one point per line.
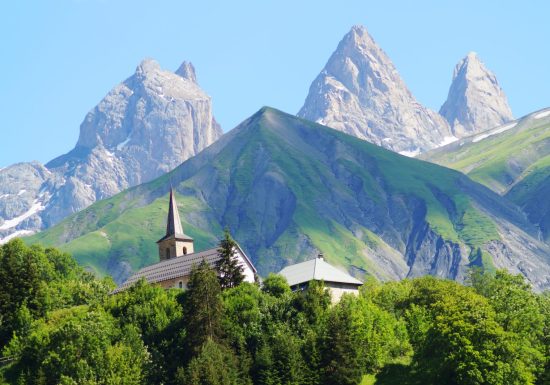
x=173 y=223
x=175 y=243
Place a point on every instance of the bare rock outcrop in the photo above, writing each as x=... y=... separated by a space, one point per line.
x=475 y=102
x=143 y=128
x=361 y=93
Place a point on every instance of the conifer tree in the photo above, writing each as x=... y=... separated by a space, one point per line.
x=214 y=364
x=202 y=307
x=230 y=272
x=340 y=356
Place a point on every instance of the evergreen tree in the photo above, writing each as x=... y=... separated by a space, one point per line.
x=340 y=356
x=230 y=272
x=214 y=364
x=202 y=308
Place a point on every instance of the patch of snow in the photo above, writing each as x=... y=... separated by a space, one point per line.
x=447 y=140
x=493 y=132
x=21 y=192
x=10 y=223
x=410 y=154
x=4 y=196
x=386 y=140
x=18 y=233
x=541 y=115
x=121 y=145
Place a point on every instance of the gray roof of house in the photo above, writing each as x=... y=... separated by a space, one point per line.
x=177 y=267
x=316 y=269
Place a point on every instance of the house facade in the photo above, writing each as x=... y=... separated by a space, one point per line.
x=336 y=281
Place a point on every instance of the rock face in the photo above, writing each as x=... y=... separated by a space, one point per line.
x=289 y=188
x=475 y=102
x=361 y=93
x=143 y=128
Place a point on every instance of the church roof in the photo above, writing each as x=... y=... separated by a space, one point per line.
x=173 y=222
x=316 y=269
x=177 y=267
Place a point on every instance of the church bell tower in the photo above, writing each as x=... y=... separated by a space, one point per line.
x=175 y=243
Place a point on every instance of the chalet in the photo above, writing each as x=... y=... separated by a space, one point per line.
x=338 y=282
x=177 y=257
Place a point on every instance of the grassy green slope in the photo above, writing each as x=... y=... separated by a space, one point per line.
x=515 y=163
x=501 y=157
x=286 y=187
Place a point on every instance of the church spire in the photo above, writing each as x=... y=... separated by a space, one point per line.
x=175 y=243
x=173 y=223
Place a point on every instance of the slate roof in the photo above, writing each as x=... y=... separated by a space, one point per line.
x=316 y=269
x=177 y=267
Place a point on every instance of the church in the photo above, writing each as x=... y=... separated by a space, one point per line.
x=177 y=257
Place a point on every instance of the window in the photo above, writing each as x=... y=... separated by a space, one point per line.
x=185 y=251
x=168 y=253
x=180 y=284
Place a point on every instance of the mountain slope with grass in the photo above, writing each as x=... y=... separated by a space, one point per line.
x=513 y=160
x=289 y=188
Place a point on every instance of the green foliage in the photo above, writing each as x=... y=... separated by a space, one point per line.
x=276 y=285
x=213 y=365
x=518 y=310
x=202 y=307
x=457 y=339
x=155 y=313
x=230 y=271
x=65 y=329
x=34 y=280
x=78 y=345
x=341 y=362
x=313 y=303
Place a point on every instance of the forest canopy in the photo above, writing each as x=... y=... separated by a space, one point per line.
x=60 y=325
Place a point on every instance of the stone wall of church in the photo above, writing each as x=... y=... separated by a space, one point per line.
x=171 y=248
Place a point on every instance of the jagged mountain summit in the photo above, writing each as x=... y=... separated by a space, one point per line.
x=143 y=128
x=475 y=102
x=288 y=188
x=361 y=93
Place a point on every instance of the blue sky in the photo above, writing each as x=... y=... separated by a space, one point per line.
x=60 y=57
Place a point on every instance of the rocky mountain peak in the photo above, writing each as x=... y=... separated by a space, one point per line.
x=144 y=127
x=187 y=71
x=359 y=38
x=476 y=102
x=361 y=93
x=147 y=66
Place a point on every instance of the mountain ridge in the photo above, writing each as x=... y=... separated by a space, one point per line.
x=512 y=159
x=288 y=188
